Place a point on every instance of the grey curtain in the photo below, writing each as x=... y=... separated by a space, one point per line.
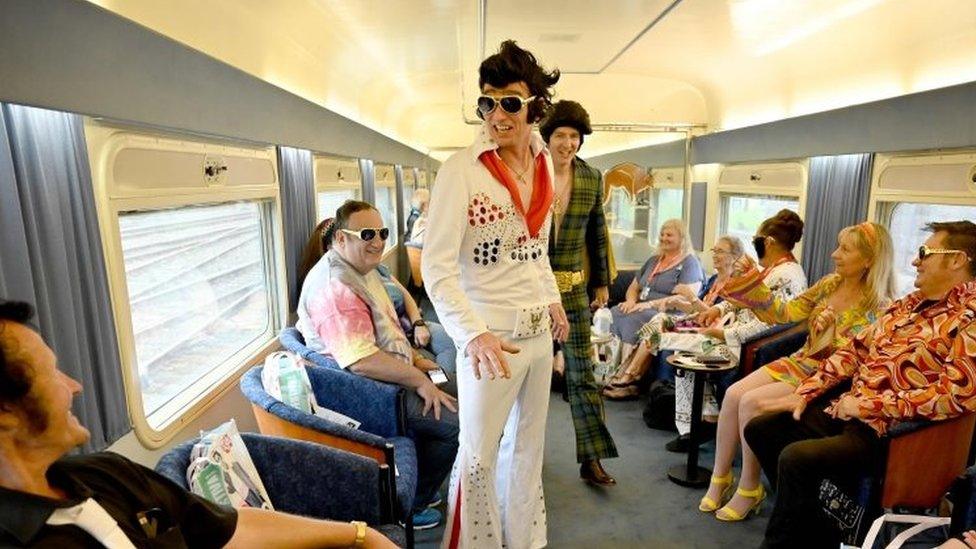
x=298 y=209
x=52 y=257
x=837 y=196
x=368 y=171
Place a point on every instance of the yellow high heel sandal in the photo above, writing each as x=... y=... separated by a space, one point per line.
x=707 y=504
x=728 y=514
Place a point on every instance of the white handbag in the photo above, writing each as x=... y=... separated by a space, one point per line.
x=920 y=523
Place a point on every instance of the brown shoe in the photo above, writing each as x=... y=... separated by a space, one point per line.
x=592 y=472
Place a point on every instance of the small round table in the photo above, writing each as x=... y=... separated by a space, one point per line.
x=691 y=474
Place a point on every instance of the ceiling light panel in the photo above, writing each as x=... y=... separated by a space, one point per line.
x=574 y=36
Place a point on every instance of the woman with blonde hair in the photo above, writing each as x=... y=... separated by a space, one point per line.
x=836 y=308
x=673 y=270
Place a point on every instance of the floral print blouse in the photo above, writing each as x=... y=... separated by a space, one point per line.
x=828 y=329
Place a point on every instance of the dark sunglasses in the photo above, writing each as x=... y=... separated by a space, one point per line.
x=511 y=104
x=369 y=234
x=925 y=251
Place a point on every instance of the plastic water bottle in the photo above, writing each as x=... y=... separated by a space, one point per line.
x=602 y=319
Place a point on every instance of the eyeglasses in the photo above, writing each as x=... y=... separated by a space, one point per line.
x=369 y=234
x=511 y=104
x=925 y=251
x=719 y=251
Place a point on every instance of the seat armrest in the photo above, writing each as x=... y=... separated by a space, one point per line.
x=767 y=347
x=377 y=405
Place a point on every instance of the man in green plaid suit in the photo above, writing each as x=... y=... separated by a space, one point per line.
x=578 y=230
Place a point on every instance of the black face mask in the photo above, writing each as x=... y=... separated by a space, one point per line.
x=759 y=243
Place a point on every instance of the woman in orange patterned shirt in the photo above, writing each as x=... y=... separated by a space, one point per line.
x=836 y=308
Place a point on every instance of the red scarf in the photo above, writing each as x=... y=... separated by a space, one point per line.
x=540 y=201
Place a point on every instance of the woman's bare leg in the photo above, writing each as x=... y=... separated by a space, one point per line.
x=728 y=433
x=748 y=409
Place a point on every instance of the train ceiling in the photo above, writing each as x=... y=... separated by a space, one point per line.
x=408 y=68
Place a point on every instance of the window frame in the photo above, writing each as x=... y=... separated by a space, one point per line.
x=883 y=201
x=398 y=218
x=713 y=174
x=323 y=185
x=104 y=142
x=881 y=196
x=885 y=211
x=723 y=215
x=654 y=203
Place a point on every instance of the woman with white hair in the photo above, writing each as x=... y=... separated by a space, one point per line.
x=673 y=270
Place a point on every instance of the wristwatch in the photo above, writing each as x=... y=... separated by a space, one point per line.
x=360 y=533
x=419 y=322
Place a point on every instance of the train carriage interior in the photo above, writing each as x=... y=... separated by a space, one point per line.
x=163 y=164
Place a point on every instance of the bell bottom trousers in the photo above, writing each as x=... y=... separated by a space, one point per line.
x=496 y=496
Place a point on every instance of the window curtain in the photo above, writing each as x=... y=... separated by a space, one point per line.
x=298 y=210
x=837 y=196
x=52 y=257
x=368 y=171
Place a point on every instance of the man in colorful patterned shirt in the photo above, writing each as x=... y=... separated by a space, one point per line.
x=345 y=312
x=918 y=361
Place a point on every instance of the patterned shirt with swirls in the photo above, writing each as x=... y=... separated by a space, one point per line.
x=917 y=362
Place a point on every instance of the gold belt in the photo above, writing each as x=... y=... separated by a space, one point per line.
x=567 y=280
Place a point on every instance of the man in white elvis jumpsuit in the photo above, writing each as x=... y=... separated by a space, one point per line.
x=486 y=268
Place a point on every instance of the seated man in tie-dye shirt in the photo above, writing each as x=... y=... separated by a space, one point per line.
x=345 y=312
x=918 y=361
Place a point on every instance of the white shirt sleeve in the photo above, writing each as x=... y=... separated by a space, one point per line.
x=724 y=308
x=440 y=261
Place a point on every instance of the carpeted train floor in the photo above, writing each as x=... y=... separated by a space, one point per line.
x=645 y=509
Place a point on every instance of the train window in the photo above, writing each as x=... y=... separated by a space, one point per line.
x=194 y=251
x=328 y=201
x=386 y=202
x=668 y=207
x=634 y=224
x=741 y=215
x=910 y=190
x=907 y=220
x=199 y=295
x=336 y=181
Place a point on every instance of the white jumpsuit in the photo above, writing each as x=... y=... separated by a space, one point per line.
x=485 y=271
